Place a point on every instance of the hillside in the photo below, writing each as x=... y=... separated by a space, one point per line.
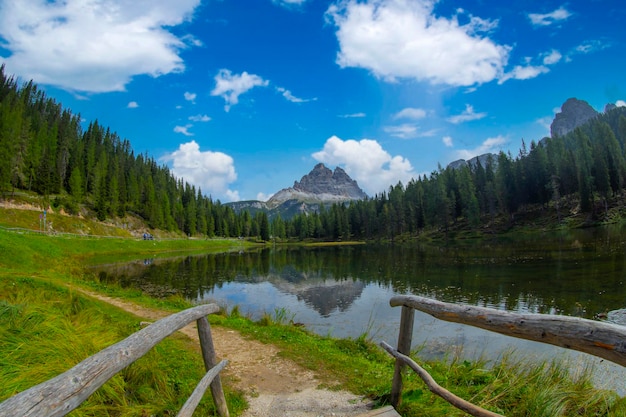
x=47 y=155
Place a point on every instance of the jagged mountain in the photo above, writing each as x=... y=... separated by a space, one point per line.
x=484 y=159
x=574 y=113
x=321 y=186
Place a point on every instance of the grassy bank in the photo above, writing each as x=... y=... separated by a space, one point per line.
x=45 y=328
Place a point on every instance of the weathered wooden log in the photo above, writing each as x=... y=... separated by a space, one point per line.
x=210 y=360
x=437 y=389
x=405 y=338
x=62 y=394
x=197 y=394
x=605 y=340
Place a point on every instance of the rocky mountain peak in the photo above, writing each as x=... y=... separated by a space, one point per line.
x=321 y=185
x=573 y=113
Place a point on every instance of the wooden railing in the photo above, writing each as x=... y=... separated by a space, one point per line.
x=605 y=340
x=62 y=394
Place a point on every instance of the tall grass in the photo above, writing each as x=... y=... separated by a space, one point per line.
x=46 y=330
x=515 y=388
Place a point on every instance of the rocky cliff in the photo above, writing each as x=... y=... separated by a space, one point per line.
x=321 y=186
x=484 y=159
x=573 y=113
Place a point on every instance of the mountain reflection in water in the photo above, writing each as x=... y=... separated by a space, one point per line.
x=345 y=291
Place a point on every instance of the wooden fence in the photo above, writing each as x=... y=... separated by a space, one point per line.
x=605 y=340
x=62 y=394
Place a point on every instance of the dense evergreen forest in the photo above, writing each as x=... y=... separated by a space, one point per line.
x=45 y=149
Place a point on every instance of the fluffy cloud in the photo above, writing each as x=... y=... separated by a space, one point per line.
x=520 y=72
x=547 y=19
x=466 y=116
x=405 y=39
x=184 y=130
x=190 y=96
x=447 y=141
x=132 y=105
x=230 y=86
x=213 y=172
x=366 y=162
x=410 y=113
x=492 y=145
x=552 y=57
x=92 y=46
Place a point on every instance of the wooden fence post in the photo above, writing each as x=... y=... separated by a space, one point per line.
x=210 y=360
x=404 y=346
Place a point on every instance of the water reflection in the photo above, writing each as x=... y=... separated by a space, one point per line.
x=578 y=274
x=344 y=291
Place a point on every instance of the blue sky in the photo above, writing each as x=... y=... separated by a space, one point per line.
x=243 y=97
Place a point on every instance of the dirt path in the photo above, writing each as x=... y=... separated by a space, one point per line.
x=273 y=386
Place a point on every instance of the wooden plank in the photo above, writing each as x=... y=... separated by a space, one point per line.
x=62 y=394
x=194 y=399
x=601 y=339
x=387 y=411
x=210 y=360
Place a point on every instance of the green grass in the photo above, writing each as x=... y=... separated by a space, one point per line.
x=46 y=327
x=511 y=388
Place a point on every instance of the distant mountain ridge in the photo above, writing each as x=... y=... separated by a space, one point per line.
x=574 y=113
x=321 y=186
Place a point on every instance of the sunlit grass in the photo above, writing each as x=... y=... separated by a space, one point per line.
x=46 y=330
x=46 y=327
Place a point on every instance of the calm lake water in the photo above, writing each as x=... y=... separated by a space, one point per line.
x=344 y=291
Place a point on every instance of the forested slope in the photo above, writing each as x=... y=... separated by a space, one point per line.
x=45 y=149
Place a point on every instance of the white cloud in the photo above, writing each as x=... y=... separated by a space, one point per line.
x=405 y=39
x=492 y=145
x=547 y=19
x=200 y=118
x=524 y=72
x=288 y=3
x=403 y=131
x=410 y=113
x=290 y=97
x=190 y=96
x=447 y=141
x=366 y=162
x=263 y=196
x=620 y=103
x=92 y=46
x=132 y=105
x=183 y=129
x=230 y=86
x=352 y=115
x=213 y=172
x=552 y=57
x=466 y=116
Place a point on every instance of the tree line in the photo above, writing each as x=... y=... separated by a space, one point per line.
x=587 y=166
x=45 y=149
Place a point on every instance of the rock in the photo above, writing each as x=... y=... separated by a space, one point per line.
x=321 y=185
x=617 y=316
x=483 y=159
x=573 y=113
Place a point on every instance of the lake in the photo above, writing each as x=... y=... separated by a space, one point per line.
x=344 y=291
